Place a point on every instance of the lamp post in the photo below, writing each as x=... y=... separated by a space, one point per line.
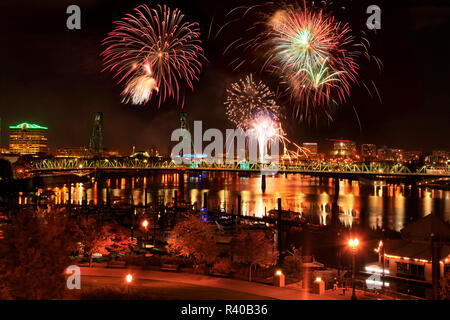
x=353 y=244
x=145 y=225
x=128 y=279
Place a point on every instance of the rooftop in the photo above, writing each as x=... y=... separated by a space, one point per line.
x=25 y=125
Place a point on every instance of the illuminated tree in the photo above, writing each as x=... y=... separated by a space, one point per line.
x=253 y=248
x=445 y=287
x=103 y=239
x=195 y=238
x=34 y=252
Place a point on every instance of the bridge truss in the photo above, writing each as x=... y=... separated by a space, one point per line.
x=71 y=164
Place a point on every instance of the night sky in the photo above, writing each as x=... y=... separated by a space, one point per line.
x=52 y=76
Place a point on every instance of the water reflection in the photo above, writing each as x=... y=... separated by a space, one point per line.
x=376 y=204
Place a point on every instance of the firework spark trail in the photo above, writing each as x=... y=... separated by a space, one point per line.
x=153 y=51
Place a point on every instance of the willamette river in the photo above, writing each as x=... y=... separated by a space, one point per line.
x=373 y=204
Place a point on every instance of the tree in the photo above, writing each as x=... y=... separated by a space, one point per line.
x=293 y=263
x=253 y=248
x=196 y=238
x=445 y=287
x=34 y=253
x=120 y=240
x=103 y=239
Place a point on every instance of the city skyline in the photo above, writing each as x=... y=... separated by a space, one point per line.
x=410 y=85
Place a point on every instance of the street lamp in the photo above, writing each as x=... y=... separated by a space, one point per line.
x=353 y=244
x=128 y=279
x=145 y=225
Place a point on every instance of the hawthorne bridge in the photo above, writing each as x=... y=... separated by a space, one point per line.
x=329 y=169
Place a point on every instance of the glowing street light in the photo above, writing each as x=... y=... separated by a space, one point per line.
x=353 y=244
x=128 y=279
x=145 y=225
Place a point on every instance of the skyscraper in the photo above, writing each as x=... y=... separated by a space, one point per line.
x=28 y=138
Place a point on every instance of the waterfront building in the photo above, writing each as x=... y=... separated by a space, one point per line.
x=368 y=152
x=79 y=152
x=410 y=261
x=390 y=154
x=311 y=149
x=343 y=149
x=410 y=156
x=28 y=138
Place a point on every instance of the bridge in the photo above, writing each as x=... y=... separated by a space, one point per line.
x=327 y=169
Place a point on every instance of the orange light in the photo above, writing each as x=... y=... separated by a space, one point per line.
x=145 y=224
x=129 y=278
x=279 y=273
x=353 y=243
x=318 y=279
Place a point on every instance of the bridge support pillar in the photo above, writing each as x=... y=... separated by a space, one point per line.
x=239 y=203
x=69 y=190
x=175 y=198
x=334 y=204
x=205 y=200
x=181 y=180
x=145 y=197
x=279 y=234
x=263 y=183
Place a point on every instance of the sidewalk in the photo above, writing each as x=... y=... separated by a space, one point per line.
x=223 y=283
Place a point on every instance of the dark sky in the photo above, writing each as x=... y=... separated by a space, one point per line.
x=52 y=76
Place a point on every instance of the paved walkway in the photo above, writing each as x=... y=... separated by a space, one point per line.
x=223 y=283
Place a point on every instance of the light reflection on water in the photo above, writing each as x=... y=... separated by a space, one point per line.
x=379 y=204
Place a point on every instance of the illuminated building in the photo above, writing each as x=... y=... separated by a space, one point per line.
x=368 y=152
x=389 y=154
x=411 y=258
x=311 y=147
x=441 y=153
x=343 y=149
x=412 y=155
x=28 y=138
x=79 y=152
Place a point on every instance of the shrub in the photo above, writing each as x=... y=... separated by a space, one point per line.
x=222 y=266
x=135 y=260
x=154 y=261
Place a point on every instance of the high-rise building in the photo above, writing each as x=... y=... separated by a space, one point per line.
x=390 y=154
x=311 y=149
x=412 y=155
x=28 y=138
x=368 y=151
x=343 y=149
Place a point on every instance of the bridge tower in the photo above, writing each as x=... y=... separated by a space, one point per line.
x=184 y=124
x=96 y=139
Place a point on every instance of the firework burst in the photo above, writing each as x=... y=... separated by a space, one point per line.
x=154 y=51
x=315 y=58
x=247 y=100
x=313 y=54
